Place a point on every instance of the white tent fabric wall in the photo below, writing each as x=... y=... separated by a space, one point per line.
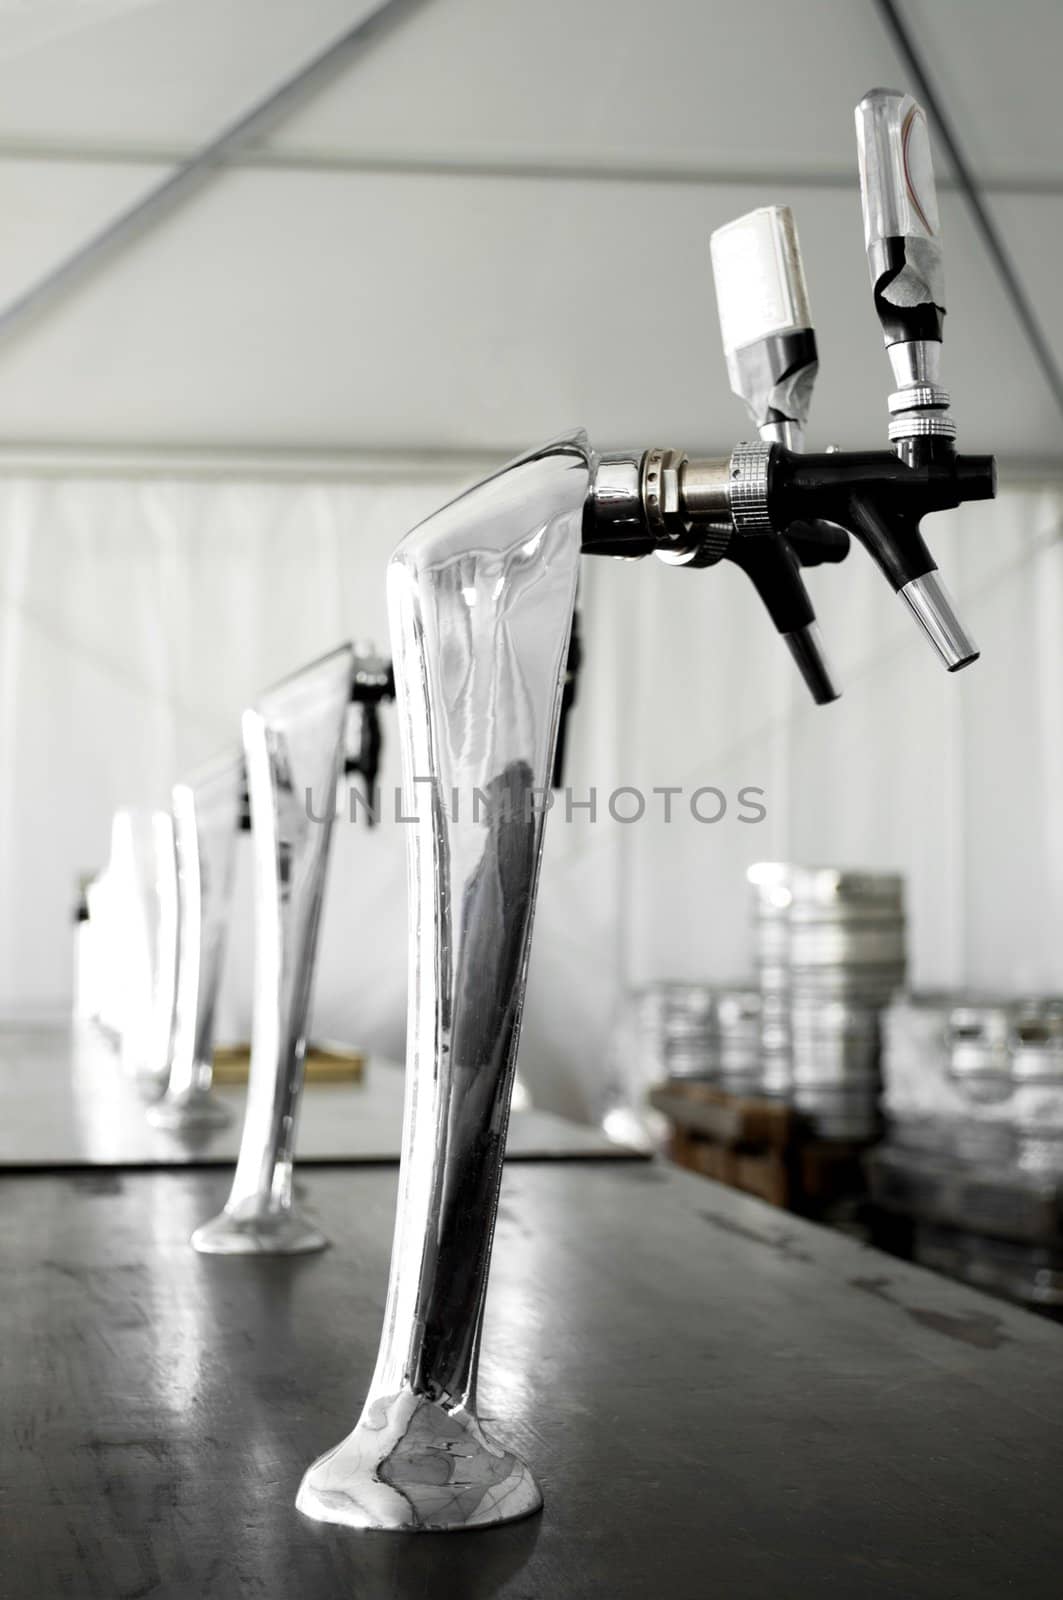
x=952 y=779
x=138 y=617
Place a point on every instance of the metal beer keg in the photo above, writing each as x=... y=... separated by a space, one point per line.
x=830 y=952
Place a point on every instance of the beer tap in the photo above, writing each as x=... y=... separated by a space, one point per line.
x=657 y=498
x=297 y=742
x=293 y=741
x=766 y=327
x=482 y=596
x=903 y=242
x=372 y=683
x=769 y=345
x=700 y=510
x=204 y=819
x=206 y=810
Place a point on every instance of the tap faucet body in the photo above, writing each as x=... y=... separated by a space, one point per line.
x=206 y=810
x=737 y=508
x=482 y=598
x=292 y=746
x=372 y=684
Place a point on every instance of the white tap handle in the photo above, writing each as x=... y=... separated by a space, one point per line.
x=765 y=319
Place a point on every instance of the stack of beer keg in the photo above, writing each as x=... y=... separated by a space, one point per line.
x=773 y=898
x=973 y=1158
x=978 y=1037
x=737 y=1044
x=664 y=1030
x=830 y=948
x=1037 y=1089
x=696 y=1030
x=686 y=1030
x=977 y=1078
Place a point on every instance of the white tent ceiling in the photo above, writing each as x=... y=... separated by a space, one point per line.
x=493 y=223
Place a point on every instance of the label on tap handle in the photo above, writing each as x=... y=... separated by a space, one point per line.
x=901 y=223
x=760 y=283
x=765 y=320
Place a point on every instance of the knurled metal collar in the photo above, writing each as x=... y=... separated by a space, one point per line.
x=749 y=488
x=922 y=425
x=919 y=397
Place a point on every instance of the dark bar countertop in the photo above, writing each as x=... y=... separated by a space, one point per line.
x=718 y=1400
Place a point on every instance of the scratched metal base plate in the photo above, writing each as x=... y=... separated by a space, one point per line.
x=411 y=1466
x=258 y=1233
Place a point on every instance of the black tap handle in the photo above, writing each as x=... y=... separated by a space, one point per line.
x=817 y=542
x=365 y=762
x=774 y=571
x=882 y=501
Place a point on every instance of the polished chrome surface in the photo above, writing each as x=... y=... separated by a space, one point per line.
x=917 y=424
x=128 y=930
x=918 y=396
x=660 y=492
x=161 y=897
x=293 y=746
x=705 y=492
x=789 y=434
x=206 y=813
x=481 y=599
x=617 y=504
x=916 y=364
x=902 y=235
x=688 y=507
x=931 y=605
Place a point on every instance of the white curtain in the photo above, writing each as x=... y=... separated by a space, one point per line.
x=137 y=618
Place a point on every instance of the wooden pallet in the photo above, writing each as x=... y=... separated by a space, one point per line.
x=758 y=1146
x=325 y=1063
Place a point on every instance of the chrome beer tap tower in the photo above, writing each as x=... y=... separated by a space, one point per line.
x=768 y=498
x=206 y=811
x=293 y=743
x=481 y=598
x=299 y=739
x=210 y=808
